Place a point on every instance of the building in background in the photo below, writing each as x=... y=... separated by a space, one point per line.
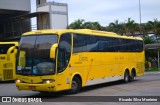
x=39 y=2
x=15 y=17
x=10 y=27
x=57 y=17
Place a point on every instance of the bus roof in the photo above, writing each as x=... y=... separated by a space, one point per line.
x=80 y=31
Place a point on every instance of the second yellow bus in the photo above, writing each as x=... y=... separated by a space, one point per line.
x=8 y=51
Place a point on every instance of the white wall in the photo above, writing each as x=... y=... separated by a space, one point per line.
x=43 y=9
x=58 y=12
x=58 y=21
x=59 y=8
x=23 y=5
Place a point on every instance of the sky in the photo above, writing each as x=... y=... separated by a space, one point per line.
x=107 y=11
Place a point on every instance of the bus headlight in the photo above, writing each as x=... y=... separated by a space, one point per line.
x=18 y=81
x=48 y=81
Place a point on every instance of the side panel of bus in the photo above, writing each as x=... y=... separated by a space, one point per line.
x=100 y=66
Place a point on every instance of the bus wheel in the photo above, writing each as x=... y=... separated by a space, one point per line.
x=132 y=77
x=75 y=86
x=126 y=76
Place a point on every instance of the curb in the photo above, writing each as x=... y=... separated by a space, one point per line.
x=152 y=72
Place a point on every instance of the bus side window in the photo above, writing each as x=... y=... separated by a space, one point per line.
x=64 y=52
x=61 y=59
x=80 y=44
x=4 y=48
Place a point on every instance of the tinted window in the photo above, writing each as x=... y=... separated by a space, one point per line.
x=4 y=48
x=91 y=43
x=139 y=45
x=34 y=55
x=128 y=45
x=64 y=52
x=108 y=44
x=79 y=43
x=42 y=61
x=27 y=45
x=43 y=45
x=102 y=44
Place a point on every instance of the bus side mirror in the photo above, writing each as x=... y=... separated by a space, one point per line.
x=16 y=49
x=22 y=58
x=53 y=50
x=10 y=51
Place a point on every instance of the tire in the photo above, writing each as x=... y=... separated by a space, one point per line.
x=75 y=86
x=132 y=77
x=126 y=77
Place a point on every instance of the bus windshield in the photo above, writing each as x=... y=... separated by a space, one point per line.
x=34 y=55
x=4 y=48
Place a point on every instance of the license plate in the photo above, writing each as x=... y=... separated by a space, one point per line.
x=32 y=87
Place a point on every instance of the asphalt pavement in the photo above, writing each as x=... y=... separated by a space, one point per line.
x=147 y=85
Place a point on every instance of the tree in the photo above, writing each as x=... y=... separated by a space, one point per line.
x=130 y=27
x=116 y=27
x=77 y=24
x=81 y=24
x=147 y=40
x=155 y=27
x=146 y=28
x=92 y=25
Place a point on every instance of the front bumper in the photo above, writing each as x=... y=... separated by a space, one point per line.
x=36 y=87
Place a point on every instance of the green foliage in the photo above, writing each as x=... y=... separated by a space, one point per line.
x=153 y=69
x=78 y=24
x=151 y=55
x=128 y=27
x=117 y=27
x=147 y=40
x=81 y=24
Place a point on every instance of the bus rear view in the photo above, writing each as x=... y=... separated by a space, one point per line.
x=8 y=53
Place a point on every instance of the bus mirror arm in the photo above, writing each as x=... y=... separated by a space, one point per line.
x=53 y=50
x=10 y=51
x=16 y=47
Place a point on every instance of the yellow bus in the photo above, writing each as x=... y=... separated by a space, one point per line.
x=56 y=60
x=8 y=51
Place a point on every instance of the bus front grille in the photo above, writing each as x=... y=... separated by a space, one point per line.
x=8 y=74
x=8 y=65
